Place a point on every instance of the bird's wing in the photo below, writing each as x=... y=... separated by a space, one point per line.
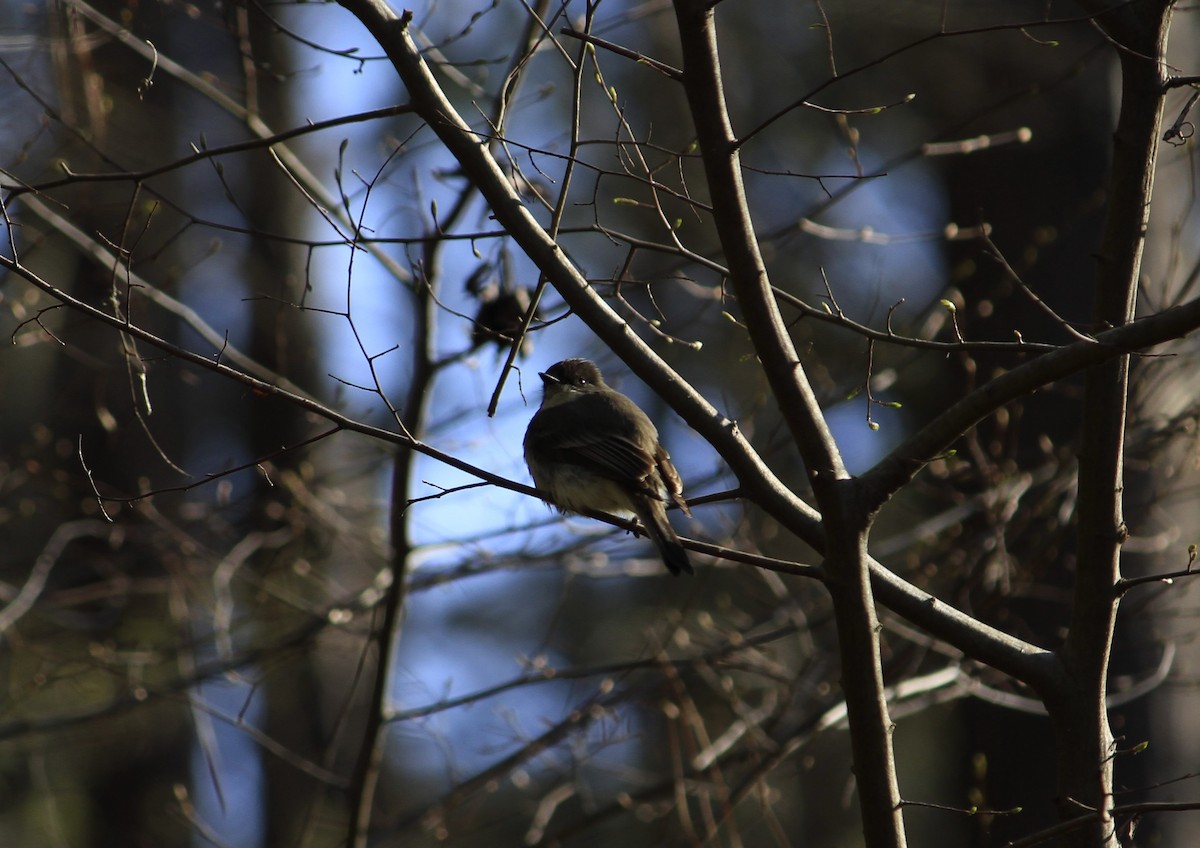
x=671 y=480
x=614 y=456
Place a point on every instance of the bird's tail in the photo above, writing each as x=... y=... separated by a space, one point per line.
x=653 y=515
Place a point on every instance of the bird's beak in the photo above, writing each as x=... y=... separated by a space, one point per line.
x=547 y=379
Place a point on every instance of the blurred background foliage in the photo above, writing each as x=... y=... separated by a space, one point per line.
x=193 y=571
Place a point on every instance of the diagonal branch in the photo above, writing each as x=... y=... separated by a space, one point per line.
x=936 y=437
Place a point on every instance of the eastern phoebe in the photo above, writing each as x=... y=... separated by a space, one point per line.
x=590 y=447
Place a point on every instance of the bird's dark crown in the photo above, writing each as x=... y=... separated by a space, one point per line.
x=573 y=372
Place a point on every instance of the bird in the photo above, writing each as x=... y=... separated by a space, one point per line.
x=589 y=447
